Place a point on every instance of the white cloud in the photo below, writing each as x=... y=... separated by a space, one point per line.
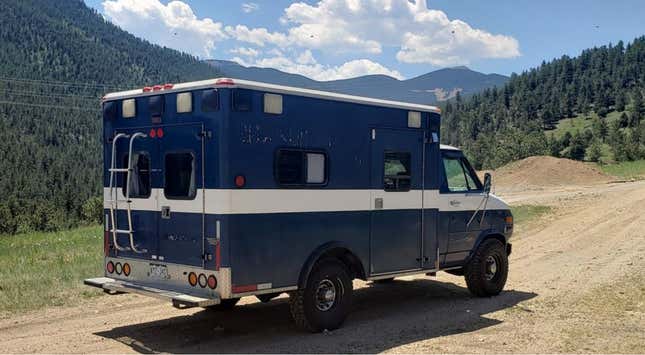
x=249 y=7
x=305 y=64
x=173 y=25
x=422 y=35
x=351 y=28
x=244 y=51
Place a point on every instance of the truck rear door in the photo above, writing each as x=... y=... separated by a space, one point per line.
x=181 y=198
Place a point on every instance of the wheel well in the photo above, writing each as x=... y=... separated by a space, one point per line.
x=348 y=258
x=485 y=238
x=344 y=255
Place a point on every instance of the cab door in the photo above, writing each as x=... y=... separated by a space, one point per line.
x=396 y=200
x=461 y=194
x=181 y=198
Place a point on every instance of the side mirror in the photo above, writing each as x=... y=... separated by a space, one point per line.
x=487 y=182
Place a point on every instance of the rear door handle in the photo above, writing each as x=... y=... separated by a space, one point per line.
x=455 y=203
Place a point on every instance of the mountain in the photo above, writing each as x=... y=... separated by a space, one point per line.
x=429 y=88
x=57 y=58
x=602 y=89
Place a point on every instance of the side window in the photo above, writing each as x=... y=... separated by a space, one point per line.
x=140 y=180
x=459 y=176
x=300 y=168
x=241 y=100
x=179 y=176
x=397 y=174
x=210 y=100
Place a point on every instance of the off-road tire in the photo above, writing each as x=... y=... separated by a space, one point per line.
x=225 y=305
x=476 y=269
x=302 y=302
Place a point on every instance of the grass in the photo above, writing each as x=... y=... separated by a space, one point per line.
x=47 y=269
x=525 y=213
x=580 y=123
x=628 y=170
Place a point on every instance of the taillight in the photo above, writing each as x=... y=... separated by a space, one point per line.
x=126 y=269
x=152 y=133
x=160 y=132
x=212 y=282
x=110 y=267
x=192 y=279
x=240 y=181
x=118 y=268
x=202 y=280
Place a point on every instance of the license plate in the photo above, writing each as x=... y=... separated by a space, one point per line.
x=158 y=272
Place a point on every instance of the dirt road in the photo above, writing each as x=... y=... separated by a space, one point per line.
x=577 y=284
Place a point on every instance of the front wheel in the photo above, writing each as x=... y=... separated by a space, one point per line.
x=326 y=300
x=487 y=270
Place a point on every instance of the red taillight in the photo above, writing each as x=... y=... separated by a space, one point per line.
x=212 y=282
x=224 y=81
x=167 y=86
x=159 y=132
x=240 y=181
x=147 y=89
x=153 y=133
x=110 y=267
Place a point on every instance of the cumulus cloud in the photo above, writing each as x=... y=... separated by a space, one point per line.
x=173 y=25
x=422 y=35
x=305 y=64
x=249 y=7
x=339 y=28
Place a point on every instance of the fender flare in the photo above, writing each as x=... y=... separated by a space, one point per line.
x=308 y=266
x=487 y=234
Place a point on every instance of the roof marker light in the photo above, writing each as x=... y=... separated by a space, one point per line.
x=147 y=89
x=157 y=88
x=224 y=81
x=167 y=86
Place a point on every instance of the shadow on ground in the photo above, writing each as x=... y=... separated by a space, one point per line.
x=383 y=317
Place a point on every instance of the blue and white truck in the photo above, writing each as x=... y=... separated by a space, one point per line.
x=220 y=189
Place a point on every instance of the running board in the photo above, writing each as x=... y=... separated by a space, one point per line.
x=179 y=300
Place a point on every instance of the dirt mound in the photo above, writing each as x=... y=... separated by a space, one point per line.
x=545 y=171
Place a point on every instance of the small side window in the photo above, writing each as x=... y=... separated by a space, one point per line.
x=109 y=110
x=300 y=168
x=129 y=108
x=179 y=176
x=156 y=105
x=397 y=174
x=184 y=102
x=273 y=104
x=241 y=100
x=210 y=100
x=140 y=180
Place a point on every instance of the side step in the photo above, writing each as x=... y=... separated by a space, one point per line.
x=179 y=300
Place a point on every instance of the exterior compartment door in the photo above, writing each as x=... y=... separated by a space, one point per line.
x=396 y=200
x=181 y=197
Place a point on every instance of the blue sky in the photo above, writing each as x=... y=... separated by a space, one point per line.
x=334 y=39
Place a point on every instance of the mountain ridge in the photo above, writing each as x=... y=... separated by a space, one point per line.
x=429 y=88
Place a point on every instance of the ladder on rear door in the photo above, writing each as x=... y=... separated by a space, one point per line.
x=114 y=198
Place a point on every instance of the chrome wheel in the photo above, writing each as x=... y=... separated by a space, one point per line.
x=325 y=295
x=491 y=268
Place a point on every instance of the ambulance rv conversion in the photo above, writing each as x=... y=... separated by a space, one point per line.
x=220 y=189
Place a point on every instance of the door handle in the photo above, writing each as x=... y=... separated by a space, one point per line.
x=378 y=203
x=455 y=203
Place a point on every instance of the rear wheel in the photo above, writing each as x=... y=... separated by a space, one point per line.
x=487 y=270
x=225 y=305
x=326 y=300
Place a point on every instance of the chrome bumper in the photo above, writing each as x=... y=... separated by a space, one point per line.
x=179 y=300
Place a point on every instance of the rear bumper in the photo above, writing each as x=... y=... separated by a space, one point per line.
x=179 y=300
